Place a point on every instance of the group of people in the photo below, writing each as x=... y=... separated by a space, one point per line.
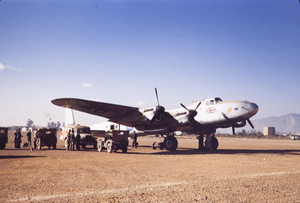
x=18 y=138
x=73 y=140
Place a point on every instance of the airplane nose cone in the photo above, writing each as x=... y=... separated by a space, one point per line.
x=253 y=108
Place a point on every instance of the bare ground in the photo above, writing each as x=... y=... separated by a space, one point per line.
x=242 y=170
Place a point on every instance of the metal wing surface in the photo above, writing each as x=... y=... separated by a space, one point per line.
x=116 y=113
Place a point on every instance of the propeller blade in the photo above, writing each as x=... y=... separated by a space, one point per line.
x=157 y=96
x=233 y=130
x=198 y=106
x=250 y=123
x=184 y=106
x=159 y=110
x=226 y=117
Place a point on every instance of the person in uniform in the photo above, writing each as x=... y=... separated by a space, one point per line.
x=72 y=140
x=37 y=135
x=17 y=138
x=134 y=142
x=68 y=140
x=77 y=141
x=29 y=137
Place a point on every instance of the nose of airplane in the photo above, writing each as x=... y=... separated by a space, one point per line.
x=253 y=108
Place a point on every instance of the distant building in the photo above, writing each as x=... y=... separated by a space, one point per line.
x=269 y=131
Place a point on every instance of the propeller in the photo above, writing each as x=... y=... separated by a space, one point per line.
x=250 y=123
x=192 y=112
x=159 y=110
x=232 y=124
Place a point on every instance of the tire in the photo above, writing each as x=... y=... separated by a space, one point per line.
x=211 y=143
x=99 y=145
x=154 y=145
x=109 y=147
x=39 y=143
x=170 y=143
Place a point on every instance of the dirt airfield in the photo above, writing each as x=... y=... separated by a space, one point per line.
x=242 y=170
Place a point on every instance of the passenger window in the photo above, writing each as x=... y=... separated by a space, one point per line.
x=212 y=102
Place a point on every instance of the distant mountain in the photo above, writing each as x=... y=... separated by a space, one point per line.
x=289 y=123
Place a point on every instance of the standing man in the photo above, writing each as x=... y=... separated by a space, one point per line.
x=17 y=138
x=72 y=140
x=37 y=135
x=68 y=140
x=77 y=141
x=134 y=142
x=29 y=137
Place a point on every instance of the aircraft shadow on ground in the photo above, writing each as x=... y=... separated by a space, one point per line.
x=188 y=151
x=17 y=157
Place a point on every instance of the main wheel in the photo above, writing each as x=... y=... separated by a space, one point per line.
x=39 y=143
x=170 y=143
x=211 y=143
x=99 y=146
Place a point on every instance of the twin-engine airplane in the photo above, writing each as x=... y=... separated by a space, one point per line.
x=201 y=118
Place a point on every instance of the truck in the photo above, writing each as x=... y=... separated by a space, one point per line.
x=45 y=137
x=86 y=138
x=114 y=140
x=3 y=137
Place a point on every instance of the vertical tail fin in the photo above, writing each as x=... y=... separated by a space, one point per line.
x=69 y=117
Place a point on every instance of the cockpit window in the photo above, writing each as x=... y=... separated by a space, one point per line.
x=218 y=100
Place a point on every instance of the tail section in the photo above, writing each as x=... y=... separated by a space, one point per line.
x=69 y=120
x=69 y=117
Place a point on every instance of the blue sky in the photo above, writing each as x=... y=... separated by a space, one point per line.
x=119 y=51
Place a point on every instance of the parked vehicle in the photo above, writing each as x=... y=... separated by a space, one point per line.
x=45 y=137
x=114 y=140
x=3 y=137
x=86 y=138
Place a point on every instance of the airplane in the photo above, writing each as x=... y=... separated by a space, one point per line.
x=295 y=136
x=201 y=117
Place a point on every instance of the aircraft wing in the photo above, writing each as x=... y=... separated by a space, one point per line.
x=125 y=115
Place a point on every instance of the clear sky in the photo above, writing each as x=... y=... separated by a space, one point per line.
x=119 y=51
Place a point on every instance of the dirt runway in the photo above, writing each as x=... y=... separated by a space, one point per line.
x=242 y=170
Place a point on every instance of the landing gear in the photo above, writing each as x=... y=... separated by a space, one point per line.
x=211 y=142
x=200 y=142
x=169 y=143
